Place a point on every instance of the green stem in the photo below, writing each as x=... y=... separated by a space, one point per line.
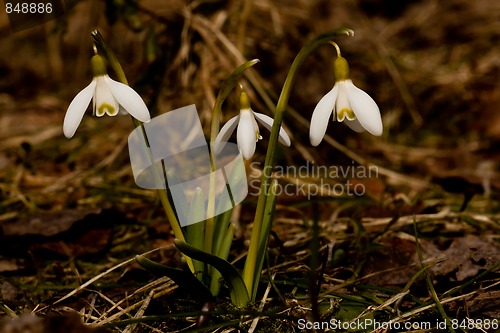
x=226 y=87
x=102 y=48
x=252 y=258
x=109 y=55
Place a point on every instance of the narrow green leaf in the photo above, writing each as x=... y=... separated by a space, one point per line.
x=229 y=84
x=183 y=278
x=236 y=179
x=223 y=253
x=221 y=224
x=237 y=289
x=195 y=229
x=267 y=223
x=181 y=203
x=226 y=87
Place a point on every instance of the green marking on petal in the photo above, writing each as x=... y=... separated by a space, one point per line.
x=106 y=108
x=345 y=113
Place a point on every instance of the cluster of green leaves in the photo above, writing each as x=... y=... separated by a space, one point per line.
x=206 y=245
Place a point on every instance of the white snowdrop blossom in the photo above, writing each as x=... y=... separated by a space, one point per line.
x=347 y=103
x=248 y=130
x=109 y=97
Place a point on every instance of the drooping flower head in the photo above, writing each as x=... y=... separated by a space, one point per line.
x=347 y=103
x=109 y=97
x=248 y=130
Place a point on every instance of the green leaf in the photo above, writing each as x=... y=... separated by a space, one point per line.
x=235 y=180
x=221 y=224
x=229 y=84
x=237 y=289
x=181 y=203
x=226 y=88
x=267 y=223
x=183 y=278
x=195 y=229
x=223 y=253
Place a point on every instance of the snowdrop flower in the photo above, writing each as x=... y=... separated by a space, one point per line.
x=109 y=97
x=347 y=103
x=248 y=130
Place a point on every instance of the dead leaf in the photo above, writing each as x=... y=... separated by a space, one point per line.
x=45 y=224
x=69 y=233
x=69 y=322
x=11 y=265
x=465 y=257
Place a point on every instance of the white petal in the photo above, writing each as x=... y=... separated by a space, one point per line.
x=267 y=122
x=129 y=100
x=342 y=105
x=343 y=109
x=246 y=134
x=321 y=116
x=365 y=109
x=225 y=133
x=354 y=125
x=77 y=108
x=104 y=102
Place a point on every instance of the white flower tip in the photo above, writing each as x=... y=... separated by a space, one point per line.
x=224 y=134
x=366 y=110
x=140 y=112
x=70 y=125
x=321 y=115
x=217 y=146
x=284 y=138
x=267 y=122
x=68 y=133
x=129 y=99
x=76 y=110
x=247 y=147
x=372 y=122
x=377 y=131
x=315 y=138
x=246 y=155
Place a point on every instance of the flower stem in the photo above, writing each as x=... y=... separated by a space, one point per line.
x=101 y=47
x=226 y=87
x=250 y=276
